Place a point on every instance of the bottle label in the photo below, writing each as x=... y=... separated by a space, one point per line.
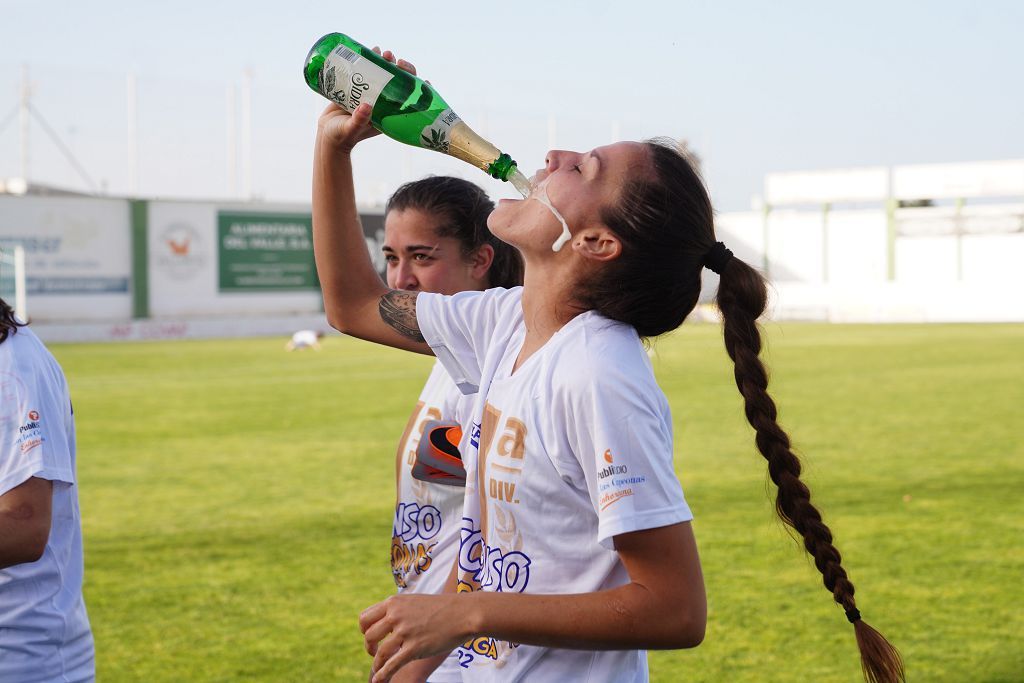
x=438 y=135
x=348 y=79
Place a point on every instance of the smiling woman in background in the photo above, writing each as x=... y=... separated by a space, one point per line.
x=436 y=240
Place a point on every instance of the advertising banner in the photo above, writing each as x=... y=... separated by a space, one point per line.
x=77 y=255
x=265 y=252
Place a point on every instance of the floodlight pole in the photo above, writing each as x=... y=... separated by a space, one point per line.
x=247 y=134
x=133 y=136
x=23 y=112
x=20 y=303
x=826 y=209
x=766 y=211
x=232 y=140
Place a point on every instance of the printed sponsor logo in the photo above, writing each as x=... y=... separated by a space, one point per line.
x=148 y=331
x=483 y=647
x=411 y=553
x=612 y=470
x=489 y=568
x=32 y=245
x=413 y=521
x=30 y=434
x=619 y=486
x=409 y=558
x=503 y=490
x=76 y=285
x=180 y=254
x=507 y=456
x=28 y=445
x=608 y=499
x=474 y=435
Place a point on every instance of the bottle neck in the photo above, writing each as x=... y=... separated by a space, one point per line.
x=502 y=167
x=467 y=145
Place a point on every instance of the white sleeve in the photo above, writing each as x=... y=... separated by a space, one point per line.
x=621 y=430
x=460 y=328
x=33 y=439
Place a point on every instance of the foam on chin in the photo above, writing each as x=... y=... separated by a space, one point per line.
x=540 y=193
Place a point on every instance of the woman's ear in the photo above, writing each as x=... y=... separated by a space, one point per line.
x=597 y=244
x=480 y=261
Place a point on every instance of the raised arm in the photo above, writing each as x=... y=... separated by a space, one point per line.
x=356 y=301
x=662 y=607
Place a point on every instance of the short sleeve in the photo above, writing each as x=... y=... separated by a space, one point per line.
x=33 y=438
x=460 y=329
x=622 y=434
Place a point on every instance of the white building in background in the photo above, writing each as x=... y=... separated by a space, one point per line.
x=927 y=243
x=923 y=243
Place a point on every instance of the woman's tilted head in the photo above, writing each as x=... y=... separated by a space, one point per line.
x=664 y=221
x=639 y=223
x=577 y=185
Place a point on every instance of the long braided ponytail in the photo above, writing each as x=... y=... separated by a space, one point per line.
x=666 y=224
x=742 y=298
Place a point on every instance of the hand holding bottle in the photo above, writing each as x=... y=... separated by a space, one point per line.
x=344 y=130
x=403 y=107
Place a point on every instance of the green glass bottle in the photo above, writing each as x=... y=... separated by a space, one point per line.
x=405 y=107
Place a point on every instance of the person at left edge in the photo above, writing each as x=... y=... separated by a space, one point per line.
x=44 y=629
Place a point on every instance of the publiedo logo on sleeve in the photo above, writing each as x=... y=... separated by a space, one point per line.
x=30 y=433
x=616 y=481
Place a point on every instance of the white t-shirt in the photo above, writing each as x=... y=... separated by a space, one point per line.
x=44 y=629
x=571 y=450
x=425 y=532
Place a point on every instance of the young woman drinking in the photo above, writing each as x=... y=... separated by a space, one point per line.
x=577 y=552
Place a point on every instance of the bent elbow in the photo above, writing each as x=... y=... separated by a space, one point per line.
x=693 y=635
x=344 y=319
x=353 y=316
x=338 y=322
x=686 y=629
x=687 y=634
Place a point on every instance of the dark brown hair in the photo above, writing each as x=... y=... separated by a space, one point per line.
x=8 y=323
x=666 y=226
x=462 y=208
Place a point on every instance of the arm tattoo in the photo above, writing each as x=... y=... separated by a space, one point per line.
x=398 y=309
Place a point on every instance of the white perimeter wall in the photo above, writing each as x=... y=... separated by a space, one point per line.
x=841 y=274
x=950 y=264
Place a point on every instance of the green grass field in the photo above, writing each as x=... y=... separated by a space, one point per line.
x=237 y=502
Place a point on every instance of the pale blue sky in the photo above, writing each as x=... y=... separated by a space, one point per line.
x=755 y=86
